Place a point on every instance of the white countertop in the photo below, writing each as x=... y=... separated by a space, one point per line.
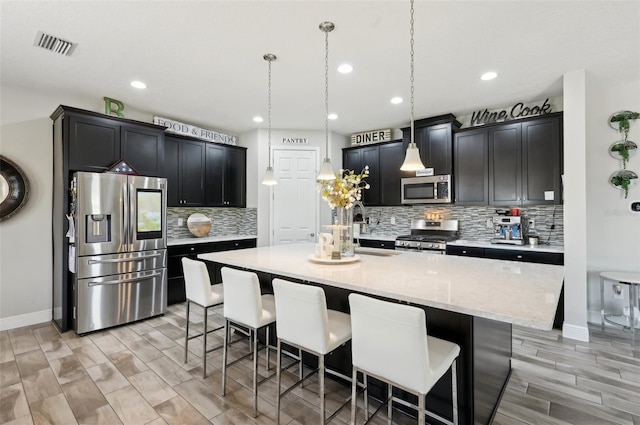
x=192 y=240
x=486 y=244
x=524 y=294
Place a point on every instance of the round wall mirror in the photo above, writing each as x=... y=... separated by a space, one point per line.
x=14 y=188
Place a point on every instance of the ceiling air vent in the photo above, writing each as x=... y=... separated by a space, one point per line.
x=54 y=44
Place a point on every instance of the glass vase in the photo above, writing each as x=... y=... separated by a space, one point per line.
x=344 y=218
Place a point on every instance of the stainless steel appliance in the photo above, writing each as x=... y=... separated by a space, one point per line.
x=428 y=236
x=426 y=190
x=120 y=242
x=508 y=230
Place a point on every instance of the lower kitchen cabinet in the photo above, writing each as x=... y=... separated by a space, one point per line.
x=377 y=243
x=175 y=287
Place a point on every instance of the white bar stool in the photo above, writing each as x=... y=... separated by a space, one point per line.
x=245 y=306
x=304 y=322
x=379 y=328
x=199 y=291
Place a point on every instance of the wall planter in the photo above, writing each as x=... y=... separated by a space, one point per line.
x=623 y=150
x=624 y=179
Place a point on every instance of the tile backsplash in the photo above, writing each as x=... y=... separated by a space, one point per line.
x=472 y=220
x=224 y=221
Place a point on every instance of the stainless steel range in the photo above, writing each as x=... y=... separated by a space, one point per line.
x=429 y=236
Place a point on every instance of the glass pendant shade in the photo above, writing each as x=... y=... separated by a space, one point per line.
x=326 y=171
x=412 y=161
x=269 y=178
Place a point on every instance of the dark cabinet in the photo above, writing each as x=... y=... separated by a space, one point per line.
x=391 y=159
x=377 y=243
x=384 y=161
x=175 y=282
x=356 y=159
x=510 y=164
x=523 y=255
x=185 y=171
x=471 y=167
x=96 y=141
x=226 y=180
x=525 y=162
x=434 y=139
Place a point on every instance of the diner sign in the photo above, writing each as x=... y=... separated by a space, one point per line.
x=519 y=110
x=177 y=127
x=369 y=137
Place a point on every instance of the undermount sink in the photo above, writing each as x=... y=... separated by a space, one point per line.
x=376 y=251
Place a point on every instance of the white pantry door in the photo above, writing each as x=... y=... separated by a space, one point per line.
x=295 y=199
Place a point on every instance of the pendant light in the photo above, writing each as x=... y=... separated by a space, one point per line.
x=326 y=170
x=269 y=178
x=412 y=160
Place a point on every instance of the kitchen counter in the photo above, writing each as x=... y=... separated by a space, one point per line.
x=525 y=294
x=192 y=240
x=486 y=244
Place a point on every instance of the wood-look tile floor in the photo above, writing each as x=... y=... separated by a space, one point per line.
x=135 y=374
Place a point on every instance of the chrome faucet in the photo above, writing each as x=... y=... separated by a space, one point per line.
x=362 y=224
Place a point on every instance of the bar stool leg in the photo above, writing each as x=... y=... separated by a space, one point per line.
x=204 y=345
x=454 y=386
x=365 y=381
x=354 y=404
x=300 y=371
x=267 y=344
x=421 y=409
x=601 y=303
x=278 y=379
x=186 y=336
x=255 y=373
x=390 y=405
x=224 y=357
x=321 y=391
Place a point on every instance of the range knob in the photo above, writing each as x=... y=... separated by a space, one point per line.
x=418 y=244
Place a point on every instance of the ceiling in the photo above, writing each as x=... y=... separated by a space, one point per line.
x=202 y=60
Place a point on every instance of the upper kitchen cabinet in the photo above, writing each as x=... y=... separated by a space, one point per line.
x=471 y=167
x=391 y=159
x=356 y=159
x=96 y=141
x=525 y=164
x=226 y=176
x=185 y=171
x=434 y=139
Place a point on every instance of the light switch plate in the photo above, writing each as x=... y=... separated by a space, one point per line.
x=180 y=222
x=393 y=220
x=548 y=195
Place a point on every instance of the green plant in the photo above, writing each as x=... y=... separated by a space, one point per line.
x=623 y=148
x=622 y=179
x=622 y=118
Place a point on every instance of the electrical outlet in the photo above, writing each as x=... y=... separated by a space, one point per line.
x=393 y=220
x=617 y=291
x=532 y=224
x=180 y=222
x=489 y=223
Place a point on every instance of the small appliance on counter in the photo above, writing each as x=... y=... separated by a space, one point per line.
x=507 y=230
x=428 y=236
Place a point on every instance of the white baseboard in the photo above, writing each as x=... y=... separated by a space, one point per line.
x=579 y=333
x=28 y=319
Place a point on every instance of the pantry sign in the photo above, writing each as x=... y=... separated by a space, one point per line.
x=193 y=131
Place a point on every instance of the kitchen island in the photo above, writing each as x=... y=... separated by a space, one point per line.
x=470 y=301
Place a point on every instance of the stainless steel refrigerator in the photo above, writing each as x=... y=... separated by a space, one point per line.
x=117 y=249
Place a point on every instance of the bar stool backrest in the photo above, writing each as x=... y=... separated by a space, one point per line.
x=197 y=283
x=302 y=315
x=390 y=340
x=242 y=299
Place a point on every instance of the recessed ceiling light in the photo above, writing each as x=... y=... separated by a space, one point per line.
x=396 y=100
x=332 y=116
x=138 y=84
x=258 y=119
x=488 y=76
x=345 y=68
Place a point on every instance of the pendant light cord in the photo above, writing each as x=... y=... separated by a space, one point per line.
x=411 y=78
x=269 y=109
x=326 y=93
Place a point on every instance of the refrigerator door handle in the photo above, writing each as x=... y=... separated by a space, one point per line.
x=119 y=281
x=123 y=260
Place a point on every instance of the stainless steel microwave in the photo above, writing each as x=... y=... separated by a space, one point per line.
x=427 y=190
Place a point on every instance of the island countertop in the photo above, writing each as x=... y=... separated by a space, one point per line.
x=524 y=294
